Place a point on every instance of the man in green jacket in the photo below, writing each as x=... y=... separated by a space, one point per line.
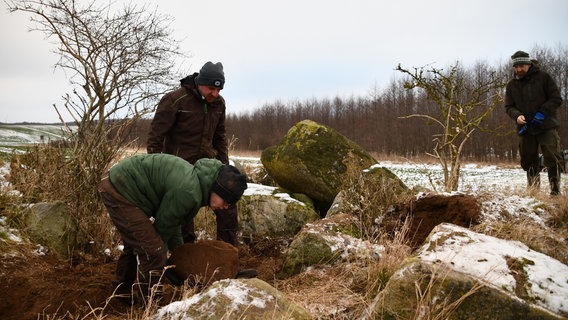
x=190 y=123
x=149 y=197
x=531 y=100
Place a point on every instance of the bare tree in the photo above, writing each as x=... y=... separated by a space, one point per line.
x=119 y=61
x=463 y=106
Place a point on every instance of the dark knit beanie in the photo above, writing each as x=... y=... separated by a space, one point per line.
x=211 y=74
x=520 y=57
x=230 y=184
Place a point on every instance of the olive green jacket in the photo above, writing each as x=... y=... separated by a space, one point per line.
x=167 y=188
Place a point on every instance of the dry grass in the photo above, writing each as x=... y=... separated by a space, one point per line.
x=550 y=238
x=559 y=215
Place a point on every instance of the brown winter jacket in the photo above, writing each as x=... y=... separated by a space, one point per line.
x=187 y=126
x=535 y=92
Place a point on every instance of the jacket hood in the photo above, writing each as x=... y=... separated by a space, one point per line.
x=207 y=171
x=190 y=85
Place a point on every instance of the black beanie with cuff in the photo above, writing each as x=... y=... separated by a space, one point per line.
x=230 y=184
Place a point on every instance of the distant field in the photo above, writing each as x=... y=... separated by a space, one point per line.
x=20 y=135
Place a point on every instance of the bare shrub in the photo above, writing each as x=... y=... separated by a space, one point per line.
x=205 y=224
x=47 y=173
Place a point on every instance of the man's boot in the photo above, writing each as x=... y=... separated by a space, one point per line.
x=554 y=179
x=149 y=289
x=533 y=179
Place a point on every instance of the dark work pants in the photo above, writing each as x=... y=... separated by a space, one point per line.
x=140 y=239
x=227 y=225
x=549 y=142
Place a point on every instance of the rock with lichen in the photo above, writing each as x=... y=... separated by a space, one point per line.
x=461 y=274
x=315 y=160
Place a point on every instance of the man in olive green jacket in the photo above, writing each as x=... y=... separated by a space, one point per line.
x=149 y=197
x=531 y=100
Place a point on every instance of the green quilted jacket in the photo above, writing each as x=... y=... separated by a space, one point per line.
x=167 y=188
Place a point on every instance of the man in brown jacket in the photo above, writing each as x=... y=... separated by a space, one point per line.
x=190 y=123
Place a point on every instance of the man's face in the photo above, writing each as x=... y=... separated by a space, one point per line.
x=521 y=70
x=216 y=202
x=210 y=93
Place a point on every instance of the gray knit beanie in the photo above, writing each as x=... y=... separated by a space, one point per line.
x=211 y=74
x=520 y=57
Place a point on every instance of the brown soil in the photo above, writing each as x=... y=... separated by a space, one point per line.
x=427 y=212
x=32 y=285
x=45 y=285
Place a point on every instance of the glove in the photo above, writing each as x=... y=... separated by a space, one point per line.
x=538 y=119
x=173 y=278
x=523 y=130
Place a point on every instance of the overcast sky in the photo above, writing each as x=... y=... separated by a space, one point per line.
x=296 y=50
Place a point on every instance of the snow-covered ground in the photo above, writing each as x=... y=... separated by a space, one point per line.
x=474 y=178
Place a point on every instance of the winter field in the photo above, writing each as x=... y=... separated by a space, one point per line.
x=24 y=134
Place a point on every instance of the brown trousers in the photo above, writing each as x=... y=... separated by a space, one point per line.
x=142 y=244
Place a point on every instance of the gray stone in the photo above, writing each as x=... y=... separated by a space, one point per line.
x=51 y=225
x=273 y=213
x=235 y=299
x=328 y=241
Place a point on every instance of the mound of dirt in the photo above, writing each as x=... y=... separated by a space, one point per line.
x=427 y=212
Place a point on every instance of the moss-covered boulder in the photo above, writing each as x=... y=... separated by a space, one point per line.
x=327 y=241
x=460 y=274
x=315 y=160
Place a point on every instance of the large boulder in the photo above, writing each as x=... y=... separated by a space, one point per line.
x=460 y=274
x=51 y=225
x=205 y=262
x=235 y=299
x=266 y=211
x=315 y=160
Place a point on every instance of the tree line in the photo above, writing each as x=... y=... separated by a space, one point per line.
x=379 y=121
